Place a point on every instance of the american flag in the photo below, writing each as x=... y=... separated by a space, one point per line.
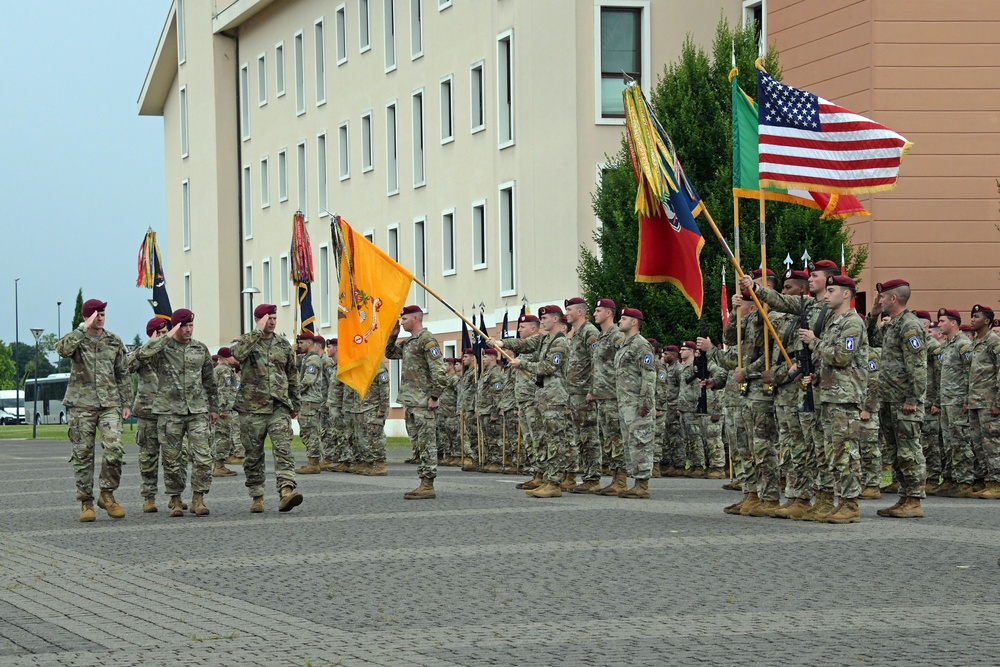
x=807 y=142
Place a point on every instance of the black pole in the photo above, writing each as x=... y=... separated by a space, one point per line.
x=17 y=345
x=34 y=410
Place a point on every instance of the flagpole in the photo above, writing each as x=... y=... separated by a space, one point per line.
x=736 y=243
x=763 y=277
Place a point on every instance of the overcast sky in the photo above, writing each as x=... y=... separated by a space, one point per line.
x=83 y=172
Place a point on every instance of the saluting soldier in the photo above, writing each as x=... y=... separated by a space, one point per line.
x=953 y=398
x=984 y=404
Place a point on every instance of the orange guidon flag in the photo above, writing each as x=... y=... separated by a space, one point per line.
x=372 y=292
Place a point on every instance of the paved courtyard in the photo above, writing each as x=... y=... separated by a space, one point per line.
x=481 y=575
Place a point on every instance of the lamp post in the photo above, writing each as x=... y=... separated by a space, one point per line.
x=250 y=291
x=17 y=344
x=58 y=319
x=37 y=333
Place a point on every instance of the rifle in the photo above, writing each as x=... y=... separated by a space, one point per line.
x=804 y=358
x=701 y=370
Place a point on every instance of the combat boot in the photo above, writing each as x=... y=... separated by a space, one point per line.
x=656 y=472
x=965 y=491
x=823 y=506
x=327 y=465
x=533 y=483
x=198 y=505
x=87 y=511
x=288 y=499
x=547 y=490
x=979 y=485
x=870 y=493
x=106 y=501
x=909 y=509
x=618 y=484
x=568 y=482
x=361 y=468
x=892 y=488
x=793 y=510
x=735 y=485
x=310 y=468
x=492 y=468
x=735 y=507
x=847 y=512
x=149 y=505
x=639 y=490
x=749 y=502
x=715 y=473
x=220 y=470
x=931 y=487
x=235 y=460
x=257 y=506
x=886 y=510
x=377 y=469
x=588 y=486
x=175 y=506
x=765 y=508
x=696 y=473
x=342 y=466
x=423 y=492
x=991 y=492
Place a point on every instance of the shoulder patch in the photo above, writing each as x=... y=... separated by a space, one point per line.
x=310 y=369
x=433 y=350
x=594 y=345
x=663 y=376
x=496 y=385
x=940 y=357
x=382 y=377
x=647 y=359
x=871 y=365
x=915 y=342
x=556 y=358
x=849 y=343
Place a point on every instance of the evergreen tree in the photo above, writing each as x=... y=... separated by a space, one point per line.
x=78 y=312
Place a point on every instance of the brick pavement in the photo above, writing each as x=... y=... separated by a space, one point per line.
x=482 y=575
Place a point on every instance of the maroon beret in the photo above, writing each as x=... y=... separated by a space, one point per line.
x=843 y=281
x=155 y=324
x=491 y=352
x=575 y=301
x=965 y=327
x=890 y=284
x=756 y=273
x=982 y=309
x=411 y=309
x=823 y=265
x=550 y=310
x=92 y=306
x=319 y=339
x=631 y=312
x=653 y=342
x=264 y=309
x=606 y=303
x=225 y=353
x=689 y=344
x=468 y=350
x=181 y=316
x=450 y=360
x=305 y=335
x=746 y=296
x=922 y=314
x=792 y=274
x=671 y=348
x=528 y=318
x=996 y=323
x=331 y=341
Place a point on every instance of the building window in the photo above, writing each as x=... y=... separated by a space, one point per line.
x=392 y=242
x=389 y=28
x=302 y=204
x=508 y=240
x=623 y=34
x=448 y=242
x=279 y=69
x=282 y=175
x=184 y=121
x=444 y=4
x=265 y=184
x=370 y=235
x=505 y=89
x=321 y=176
x=186 y=213
x=391 y=166
x=181 y=34
x=416 y=29
x=364 y=27
x=602 y=168
x=755 y=14
x=300 y=76
x=247 y=203
x=395 y=376
x=245 y=101
x=265 y=280
x=283 y=280
x=418 y=139
x=420 y=260
x=479 y=235
x=324 y=285
x=320 y=64
x=366 y=142
x=447 y=111
x=341 y=35
x=478 y=117
x=187 y=291
x=344 y=138
x=248 y=321
x=262 y=79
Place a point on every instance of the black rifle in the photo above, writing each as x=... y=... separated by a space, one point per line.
x=701 y=370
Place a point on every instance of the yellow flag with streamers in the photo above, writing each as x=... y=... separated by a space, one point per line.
x=372 y=292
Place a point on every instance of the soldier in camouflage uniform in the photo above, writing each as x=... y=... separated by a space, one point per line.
x=583 y=421
x=449 y=453
x=871 y=455
x=603 y=396
x=469 y=425
x=367 y=418
x=635 y=387
x=142 y=409
x=550 y=351
x=339 y=426
x=267 y=402
x=673 y=452
x=186 y=404
x=930 y=431
x=984 y=404
x=508 y=409
x=660 y=420
x=488 y=412
x=687 y=400
x=527 y=409
x=332 y=433
x=313 y=392
x=423 y=381
x=842 y=374
x=98 y=398
x=225 y=382
x=903 y=388
x=953 y=396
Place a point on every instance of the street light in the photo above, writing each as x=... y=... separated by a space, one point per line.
x=37 y=333
x=58 y=319
x=17 y=344
x=250 y=291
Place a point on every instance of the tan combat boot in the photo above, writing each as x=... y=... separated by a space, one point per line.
x=823 y=506
x=715 y=473
x=749 y=501
x=909 y=509
x=588 y=486
x=198 y=505
x=220 y=470
x=735 y=507
x=492 y=468
x=885 y=510
x=965 y=491
x=696 y=473
x=341 y=466
x=639 y=490
x=892 y=488
x=618 y=484
x=106 y=501
x=149 y=505
x=288 y=498
x=568 y=482
x=547 y=490
x=931 y=487
x=377 y=469
x=87 y=511
x=533 y=483
x=847 y=512
x=361 y=468
x=327 y=465
x=870 y=493
x=257 y=506
x=765 y=508
x=310 y=468
x=235 y=460
x=175 y=506
x=793 y=510
x=423 y=492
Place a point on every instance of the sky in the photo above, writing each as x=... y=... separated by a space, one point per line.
x=83 y=172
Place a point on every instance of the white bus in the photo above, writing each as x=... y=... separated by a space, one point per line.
x=51 y=391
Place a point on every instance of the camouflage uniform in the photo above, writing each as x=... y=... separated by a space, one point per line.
x=583 y=417
x=551 y=351
x=662 y=391
x=225 y=381
x=984 y=428
x=508 y=407
x=871 y=456
x=734 y=433
x=527 y=413
x=488 y=413
x=687 y=402
x=186 y=394
x=953 y=395
x=267 y=398
x=423 y=378
x=447 y=419
x=902 y=379
x=795 y=455
x=711 y=421
x=842 y=372
x=467 y=387
x=145 y=429
x=313 y=390
x=606 y=400
x=635 y=386
x=340 y=436
x=99 y=389
x=368 y=428
x=673 y=441
x=930 y=431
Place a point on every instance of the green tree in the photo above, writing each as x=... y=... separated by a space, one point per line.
x=78 y=311
x=24 y=355
x=692 y=100
x=7 y=380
